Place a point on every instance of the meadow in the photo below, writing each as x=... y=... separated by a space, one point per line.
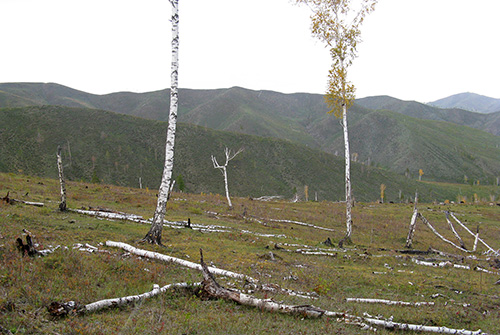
x=240 y=240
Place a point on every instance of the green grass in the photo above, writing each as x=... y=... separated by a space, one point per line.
x=370 y=268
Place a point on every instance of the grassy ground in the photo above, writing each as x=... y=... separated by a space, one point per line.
x=370 y=268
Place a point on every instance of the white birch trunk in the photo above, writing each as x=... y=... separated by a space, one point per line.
x=62 y=205
x=413 y=223
x=475 y=241
x=223 y=169
x=154 y=234
x=348 y=193
x=230 y=204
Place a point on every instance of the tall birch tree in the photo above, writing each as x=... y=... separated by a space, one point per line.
x=154 y=234
x=337 y=24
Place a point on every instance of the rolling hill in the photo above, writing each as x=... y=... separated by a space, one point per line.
x=402 y=136
x=107 y=147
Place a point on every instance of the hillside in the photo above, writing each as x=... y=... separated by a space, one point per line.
x=302 y=118
x=112 y=148
x=469 y=101
x=288 y=261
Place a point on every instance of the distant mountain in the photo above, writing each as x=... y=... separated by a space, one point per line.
x=486 y=122
x=469 y=101
x=402 y=136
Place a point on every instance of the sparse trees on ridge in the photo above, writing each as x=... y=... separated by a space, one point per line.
x=337 y=23
x=154 y=234
x=223 y=169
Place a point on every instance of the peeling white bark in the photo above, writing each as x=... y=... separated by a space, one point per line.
x=154 y=234
x=170 y=259
x=62 y=204
x=125 y=300
x=413 y=223
x=348 y=191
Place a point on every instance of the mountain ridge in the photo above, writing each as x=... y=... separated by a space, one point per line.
x=302 y=118
x=469 y=101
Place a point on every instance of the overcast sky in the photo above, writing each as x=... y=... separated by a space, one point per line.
x=412 y=49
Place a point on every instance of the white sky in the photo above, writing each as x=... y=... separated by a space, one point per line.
x=412 y=49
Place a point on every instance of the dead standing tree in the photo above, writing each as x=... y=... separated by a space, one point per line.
x=223 y=169
x=62 y=205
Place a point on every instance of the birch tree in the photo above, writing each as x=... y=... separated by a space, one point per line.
x=223 y=169
x=337 y=24
x=154 y=234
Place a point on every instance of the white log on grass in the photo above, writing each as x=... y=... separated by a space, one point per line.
x=170 y=259
x=390 y=302
x=196 y=266
x=62 y=182
x=154 y=234
x=223 y=168
x=299 y=223
x=421 y=328
x=496 y=253
x=213 y=290
x=424 y=220
x=106 y=303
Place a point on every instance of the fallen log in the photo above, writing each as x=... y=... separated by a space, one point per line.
x=71 y=307
x=211 y=289
x=251 y=281
x=390 y=302
x=12 y=201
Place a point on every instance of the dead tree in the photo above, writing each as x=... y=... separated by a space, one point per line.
x=223 y=169
x=452 y=227
x=62 y=205
x=413 y=223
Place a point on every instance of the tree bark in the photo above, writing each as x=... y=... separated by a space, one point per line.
x=223 y=169
x=413 y=223
x=348 y=192
x=62 y=182
x=154 y=234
